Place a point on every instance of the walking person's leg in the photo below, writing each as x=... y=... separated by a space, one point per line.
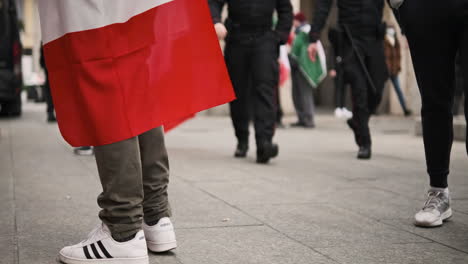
x=265 y=74
x=463 y=74
x=359 y=123
x=439 y=44
x=237 y=61
x=50 y=103
x=159 y=231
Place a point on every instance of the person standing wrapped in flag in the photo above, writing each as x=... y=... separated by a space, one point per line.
x=360 y=22
x=120 y=70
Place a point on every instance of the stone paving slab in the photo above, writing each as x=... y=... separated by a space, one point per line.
x=453 y=233
x=7 y=250
x=193 y=208
x=320 y=225
x=249 y=245
x=418 y=253
x=314 y=204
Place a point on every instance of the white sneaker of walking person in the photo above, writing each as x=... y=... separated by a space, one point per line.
x=436 y=209
x=339 y=113
x=101 y=248
x=160 y=237
x=346 y=113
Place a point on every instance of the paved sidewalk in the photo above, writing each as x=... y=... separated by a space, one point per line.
x=314 y=204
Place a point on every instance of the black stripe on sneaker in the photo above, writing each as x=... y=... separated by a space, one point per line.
x=96 y=253
x=104 y=250
x=86 y=252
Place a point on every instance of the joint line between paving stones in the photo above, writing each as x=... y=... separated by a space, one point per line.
x=215 y=227
x=265 y=224
x=13 y=182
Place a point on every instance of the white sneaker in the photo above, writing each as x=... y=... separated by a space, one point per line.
x=339 y=113
x=436 y=209
x=101 y=248
x=346 y=113
x=160 y=237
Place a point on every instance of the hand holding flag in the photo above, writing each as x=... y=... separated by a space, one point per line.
x=221 y=31
x=312 y=49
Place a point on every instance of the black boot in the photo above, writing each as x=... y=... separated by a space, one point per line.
x=51 y=117
x=266 y=151
x=241 y=150
x=364 y=153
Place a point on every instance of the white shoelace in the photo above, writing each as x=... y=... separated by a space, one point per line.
x=433 y=200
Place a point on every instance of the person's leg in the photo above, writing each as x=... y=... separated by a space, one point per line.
x=120 y=238
x=50 y=103
x=237 y=62
x=359 y=92
x=279 y=109
x=463 y=71
x=396 y=84
x=120 y=171
x=296 y=90
x=265 y=78
x=432 y=29
x=307 y=101
x=155 y=167
x=434 y=40
x=159 y=231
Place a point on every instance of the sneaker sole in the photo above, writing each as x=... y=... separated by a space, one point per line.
x=444 y=217
x=84 y=152
x=68 y=260
x=160 y=248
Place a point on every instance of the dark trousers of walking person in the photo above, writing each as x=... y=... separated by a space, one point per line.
x=302 y=93
x=436 y=31
x=134 y=175
x=365 y=98
x=252 y=61
x=459 y=87
x=48 y=98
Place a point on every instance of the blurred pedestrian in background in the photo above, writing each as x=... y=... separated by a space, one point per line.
x=48 y=96
x=362 y=30
x=436 y=32
x=302 y=90
x=251 y=53
x=393 y=60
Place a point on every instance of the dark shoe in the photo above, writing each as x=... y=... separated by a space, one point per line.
x=364 y=153
x=241 y=150
x=408 y=113
x=266 y=151
x=302 y=125
x=51 y=118
x=357 y=137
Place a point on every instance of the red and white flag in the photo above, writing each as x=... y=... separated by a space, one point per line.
x=119 y=68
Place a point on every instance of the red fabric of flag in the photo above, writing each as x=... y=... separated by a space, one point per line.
x=118 y=81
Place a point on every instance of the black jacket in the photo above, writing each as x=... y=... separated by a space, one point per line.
x=256 y=14
x=361 y=15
